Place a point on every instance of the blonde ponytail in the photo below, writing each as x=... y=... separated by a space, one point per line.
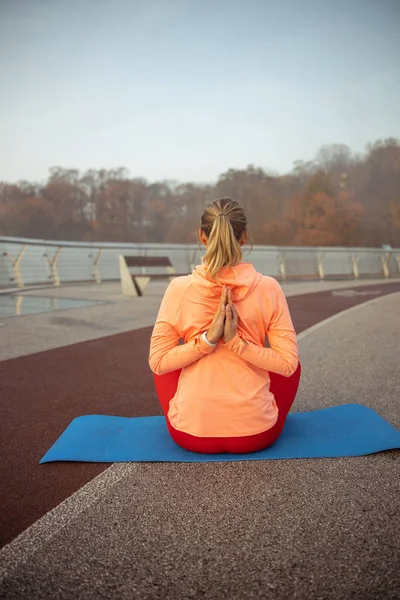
x=224 y=223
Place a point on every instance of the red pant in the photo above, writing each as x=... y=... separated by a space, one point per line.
x=284 y=390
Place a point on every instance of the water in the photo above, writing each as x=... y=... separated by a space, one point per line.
x=17 y=305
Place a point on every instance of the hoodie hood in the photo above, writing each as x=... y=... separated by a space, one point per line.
x=242 y=279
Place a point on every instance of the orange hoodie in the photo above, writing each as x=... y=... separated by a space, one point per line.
x=223 y=391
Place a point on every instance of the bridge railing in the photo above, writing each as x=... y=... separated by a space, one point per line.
x=26 y=262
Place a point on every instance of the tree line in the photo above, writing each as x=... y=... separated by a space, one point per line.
x=337 y=199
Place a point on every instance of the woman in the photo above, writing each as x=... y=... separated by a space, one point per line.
x=225 y=391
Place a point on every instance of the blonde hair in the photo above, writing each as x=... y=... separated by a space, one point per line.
x=224 y=223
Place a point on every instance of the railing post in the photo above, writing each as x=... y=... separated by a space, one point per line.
x=282 y=265
x=385 y=263
x=17 y=272
x=320 y=265
x=53 y=266
x=354 y=261
x=15 y=261
x=96 y=269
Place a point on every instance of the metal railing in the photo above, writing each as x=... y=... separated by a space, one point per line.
x=26 y=262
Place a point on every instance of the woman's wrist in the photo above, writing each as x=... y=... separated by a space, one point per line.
x=208 y=340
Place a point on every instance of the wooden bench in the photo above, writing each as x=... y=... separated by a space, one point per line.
x=134 y=284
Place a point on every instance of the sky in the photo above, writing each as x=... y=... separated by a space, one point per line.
x=186 y=89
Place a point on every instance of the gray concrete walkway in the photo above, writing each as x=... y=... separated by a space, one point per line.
x=300 y=529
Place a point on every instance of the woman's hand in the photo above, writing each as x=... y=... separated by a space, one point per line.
x=231 y=319
x=216 y=329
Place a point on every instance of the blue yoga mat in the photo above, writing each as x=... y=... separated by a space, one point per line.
x=348 y=430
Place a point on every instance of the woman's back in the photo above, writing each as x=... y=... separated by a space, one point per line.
x=226 y=393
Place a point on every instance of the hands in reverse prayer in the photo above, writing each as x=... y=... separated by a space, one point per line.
x=224 y=323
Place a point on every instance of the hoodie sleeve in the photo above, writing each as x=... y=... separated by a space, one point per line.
x=282 y=356
x=165 y=353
